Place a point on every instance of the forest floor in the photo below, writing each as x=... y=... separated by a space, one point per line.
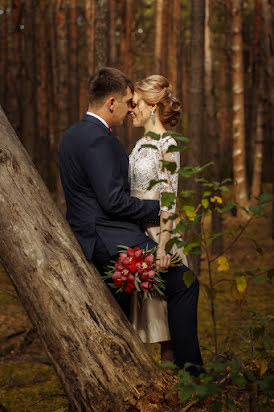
x=27 y=380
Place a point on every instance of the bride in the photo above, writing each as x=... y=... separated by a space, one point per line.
x=154 y=108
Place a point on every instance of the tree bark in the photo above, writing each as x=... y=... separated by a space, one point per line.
x=112 y=33
x=4 y=52
x=239 y=156
x=99 y=359
x=29 y=126
x=158 y=36
x=174 y=46
x=62 y=88
x=212 y=125
x=165 y=39
x=42 y=155
x=90 y=19
x=101 y=34
x=196 y=101
x=14 y=73
x=73 y=62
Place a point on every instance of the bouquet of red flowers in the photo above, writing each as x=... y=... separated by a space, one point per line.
x=135 y=270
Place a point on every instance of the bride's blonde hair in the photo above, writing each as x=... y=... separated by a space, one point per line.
x=156 y=89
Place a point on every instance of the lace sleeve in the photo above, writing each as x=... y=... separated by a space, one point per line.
x=171 y=184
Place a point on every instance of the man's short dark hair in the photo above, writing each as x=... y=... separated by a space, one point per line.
x=105 y=82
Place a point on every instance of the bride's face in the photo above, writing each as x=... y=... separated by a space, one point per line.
x=141 y=111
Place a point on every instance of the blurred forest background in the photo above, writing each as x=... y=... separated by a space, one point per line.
x=219 y=57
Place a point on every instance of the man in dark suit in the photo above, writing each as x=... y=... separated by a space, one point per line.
x=94 y=173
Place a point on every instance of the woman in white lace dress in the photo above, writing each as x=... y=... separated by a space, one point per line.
x=155 y=109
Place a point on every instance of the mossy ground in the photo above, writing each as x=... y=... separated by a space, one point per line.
x=28 y=382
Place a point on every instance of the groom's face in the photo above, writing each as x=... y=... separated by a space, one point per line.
x=122 y=107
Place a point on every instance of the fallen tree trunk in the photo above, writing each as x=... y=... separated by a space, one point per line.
x=100 y=361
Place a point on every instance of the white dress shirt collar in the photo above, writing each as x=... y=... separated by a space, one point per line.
x=99 y=118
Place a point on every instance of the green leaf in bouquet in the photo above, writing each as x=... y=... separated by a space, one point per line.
x=136 y=284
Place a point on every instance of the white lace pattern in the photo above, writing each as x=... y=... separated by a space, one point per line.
x=145 y=165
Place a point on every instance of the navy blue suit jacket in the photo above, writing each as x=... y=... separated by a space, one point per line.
x=94 y=172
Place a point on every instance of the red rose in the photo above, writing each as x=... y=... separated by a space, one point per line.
x=132 y=266
x=144 y=276
x=116 y=275
x=125 y=261
x=119 y=267
x=131 y=279
x=151 y=274
x=149 y=259
x=130 y=252
x=129 y=287
x=118 y=283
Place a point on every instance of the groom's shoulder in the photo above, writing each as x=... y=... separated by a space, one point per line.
x=84 y=132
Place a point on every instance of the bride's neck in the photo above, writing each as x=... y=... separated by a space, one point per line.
x=157 y=128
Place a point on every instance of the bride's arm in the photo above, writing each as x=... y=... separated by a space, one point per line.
x=171 y=185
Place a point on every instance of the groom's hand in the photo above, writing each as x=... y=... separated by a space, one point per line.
x=162 y=259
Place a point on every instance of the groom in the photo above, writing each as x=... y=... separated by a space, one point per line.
x=94 y=173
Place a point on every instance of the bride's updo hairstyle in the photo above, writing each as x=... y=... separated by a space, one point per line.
x=156 y=89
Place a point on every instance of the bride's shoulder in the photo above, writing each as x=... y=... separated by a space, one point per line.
x=167 y=141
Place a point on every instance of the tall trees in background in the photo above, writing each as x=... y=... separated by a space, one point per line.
x=101 y=38
x=239 y=156
x=158 y=36
x=212 y=133
x=46 y=61
x=196 y=96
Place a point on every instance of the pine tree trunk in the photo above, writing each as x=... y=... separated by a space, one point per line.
x=212 y=125
x=174 y=46
x=4 y=53
x=101 y=37
x=42 y=155
x=102 y=364
x=239 y=157
x=63 y=121
x=53 y=115
x=158 y=36
x=90 y=21
x=29 y=126
x=258 y=99
x=112 y=33
x=196 y=101
x=73 y=62
x=165 y=39
x=268 y=45
x=15 y=66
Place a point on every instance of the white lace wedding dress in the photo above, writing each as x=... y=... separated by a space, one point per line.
x=149 y=317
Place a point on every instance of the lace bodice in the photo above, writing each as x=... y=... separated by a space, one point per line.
x=145 y=165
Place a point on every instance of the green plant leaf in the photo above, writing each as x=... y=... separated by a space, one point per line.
x=167 y=199
x=150 y=146
x=187 y=392
x=205 y=203
x=241 y=284
x=188 y=278
x=152 y=183
x=153 y=135
x=170 y=166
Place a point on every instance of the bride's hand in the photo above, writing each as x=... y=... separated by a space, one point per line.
x=162 y=259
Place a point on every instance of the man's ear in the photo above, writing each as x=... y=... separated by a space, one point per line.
x=111 y=103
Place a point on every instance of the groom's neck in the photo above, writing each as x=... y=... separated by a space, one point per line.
x=100 y=111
